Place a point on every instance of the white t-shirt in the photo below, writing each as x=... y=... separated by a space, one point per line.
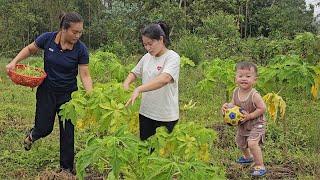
x=160 y=104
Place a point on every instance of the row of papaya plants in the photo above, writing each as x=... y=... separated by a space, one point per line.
x=114 y=149
x=282 y=71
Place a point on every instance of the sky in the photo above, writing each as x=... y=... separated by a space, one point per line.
x=316 y=8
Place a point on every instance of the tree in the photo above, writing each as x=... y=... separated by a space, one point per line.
x=280 y=18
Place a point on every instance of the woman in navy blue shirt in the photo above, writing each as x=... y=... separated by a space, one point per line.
x=64 y=56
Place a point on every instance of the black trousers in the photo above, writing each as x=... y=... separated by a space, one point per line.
x=148 y=126
x=47 y=106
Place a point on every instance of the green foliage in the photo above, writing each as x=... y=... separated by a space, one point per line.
x=220 y=25
x=221 y=34
x=290 y=71
x=261 y=50
x=219 y=73
x=102 y=109
x=200 y=9
x=115 y=47
x=106 y=65
x=22 y=21
x=291 y=149
x=191 y=47
x=305 y=46
x=97 y=67
x=279 y=18
x=185 y=62
x=169 y=169
x=188 y=141
x=110 y=23
x=185 y=157
x=169 y=12
x=121 y=23
x=75 y=108
x=120 y=150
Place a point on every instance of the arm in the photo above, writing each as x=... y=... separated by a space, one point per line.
x=85 y=77
x=226 y=105
x=260 y=108
x=130 y=78
x=23 y=54
x=157 y=83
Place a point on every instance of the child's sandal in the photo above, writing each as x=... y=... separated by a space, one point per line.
x=259 y=171
x=243 y=160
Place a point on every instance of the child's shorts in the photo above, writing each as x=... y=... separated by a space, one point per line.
x=255 y=134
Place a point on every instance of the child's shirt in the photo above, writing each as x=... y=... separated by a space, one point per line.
x=248 y=127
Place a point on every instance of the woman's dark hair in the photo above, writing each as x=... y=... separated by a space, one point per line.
x=67 y=18
x=155 y=31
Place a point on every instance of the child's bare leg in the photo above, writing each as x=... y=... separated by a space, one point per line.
x=256 y=152
x=246 y=153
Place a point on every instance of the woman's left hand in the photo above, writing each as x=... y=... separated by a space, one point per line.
x=133 y=97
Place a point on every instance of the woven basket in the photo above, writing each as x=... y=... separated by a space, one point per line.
x=24 y=80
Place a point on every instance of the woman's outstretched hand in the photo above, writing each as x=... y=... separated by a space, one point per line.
x=133 y=97
x=126 y=86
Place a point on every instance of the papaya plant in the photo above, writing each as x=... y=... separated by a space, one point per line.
x=316 y=85
x=114 y=149
x=290 y=71
x=107 y=64
x=103 y=108
x=112 y=154
x=185 y=62
x=218 y=72
x=275 y=104
x=183 y=154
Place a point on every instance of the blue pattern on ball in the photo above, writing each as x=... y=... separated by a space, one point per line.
x=232 y=115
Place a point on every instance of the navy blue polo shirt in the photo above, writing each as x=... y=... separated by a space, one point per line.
x=61 y=66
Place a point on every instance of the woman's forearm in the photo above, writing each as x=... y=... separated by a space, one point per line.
x=25 y=52
x=85 y=77
x=130 y=78
x=87 y=83
x=160 y=81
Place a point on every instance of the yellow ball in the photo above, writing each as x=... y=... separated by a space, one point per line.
x=233 y=116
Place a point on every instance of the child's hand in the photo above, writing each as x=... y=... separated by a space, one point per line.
x=224 y=108
x=246 y=116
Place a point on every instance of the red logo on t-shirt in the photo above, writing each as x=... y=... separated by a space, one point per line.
x=159 y=67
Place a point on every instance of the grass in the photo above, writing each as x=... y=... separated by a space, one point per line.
x=291 y=150
x=16 y=117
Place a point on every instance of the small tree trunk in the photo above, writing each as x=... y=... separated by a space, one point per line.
x=238 y=21
x=89 y=25
x=246 y=21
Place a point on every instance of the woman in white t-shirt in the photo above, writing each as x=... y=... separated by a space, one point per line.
x=159 y=70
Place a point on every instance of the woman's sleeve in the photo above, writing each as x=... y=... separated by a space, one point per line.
x=172 y=67
x=41 y=40
x=138 y=69
x=84 y=55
